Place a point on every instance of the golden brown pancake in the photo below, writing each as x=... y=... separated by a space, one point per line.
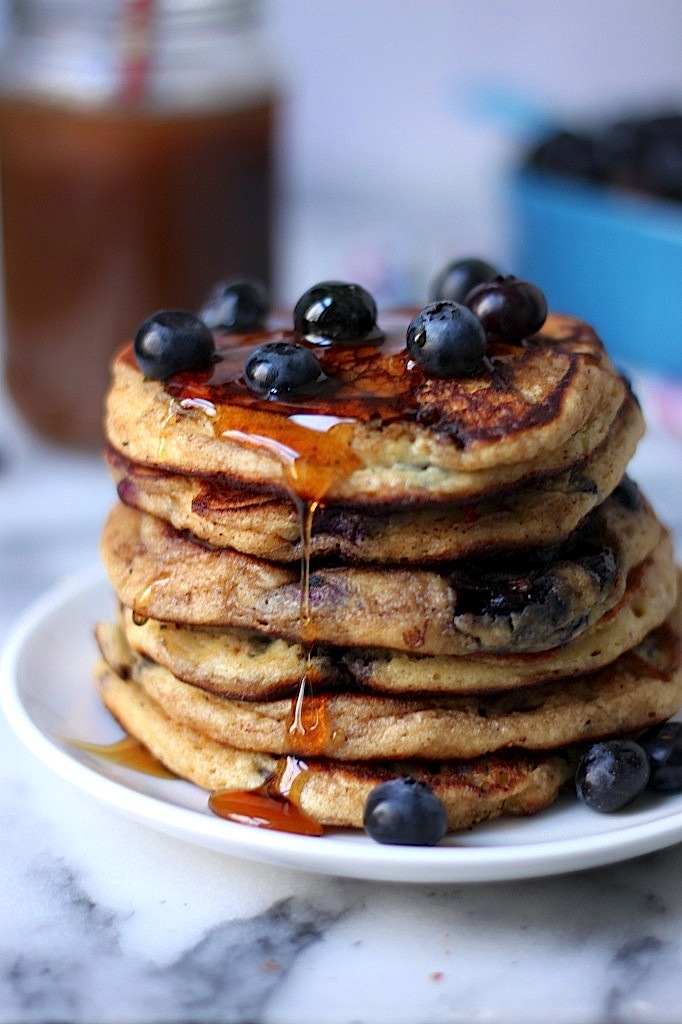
x=333 y=792
x=639 y=689
x=531 y=603
x=249 y=666
x=269 y=527
x=240 y=663
x=395 y=435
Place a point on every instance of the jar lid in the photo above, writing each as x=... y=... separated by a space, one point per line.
x=179 y=53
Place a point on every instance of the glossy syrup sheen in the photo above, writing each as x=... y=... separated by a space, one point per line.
x=274 y=805
x=364 y=381
x=309 y=435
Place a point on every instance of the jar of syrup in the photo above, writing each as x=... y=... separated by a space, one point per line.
x=136 y=168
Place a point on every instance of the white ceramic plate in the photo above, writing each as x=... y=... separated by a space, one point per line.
x=49 y=698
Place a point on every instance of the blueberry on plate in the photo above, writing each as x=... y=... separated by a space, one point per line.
x=447 y=340
x=457 y=279
x=280 y=368
x=610 y=774
x=334 y=311
x=173 y=341
x=404 y=812
x=509 y=309
x=238 y=306
x=663 y=747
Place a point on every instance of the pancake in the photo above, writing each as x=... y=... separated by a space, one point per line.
x=386 y=432
x=640 y=689
x=650 y=596
x=269 y=527
x=248 y=666
x=332 y=792
x=531 y=603
x=238 y=663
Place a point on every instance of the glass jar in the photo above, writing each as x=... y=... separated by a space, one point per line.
x=136 y=164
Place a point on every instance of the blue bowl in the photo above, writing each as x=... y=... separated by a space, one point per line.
x=612 y=259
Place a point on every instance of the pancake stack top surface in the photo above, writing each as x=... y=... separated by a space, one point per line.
x=352 y=549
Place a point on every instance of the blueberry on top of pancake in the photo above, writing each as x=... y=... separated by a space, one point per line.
x=373 y=424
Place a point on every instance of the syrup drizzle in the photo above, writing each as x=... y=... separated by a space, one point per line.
x=274 y=805
x=309 y=473
x=129 y=753
x=306 y=511
x=371 y=383
x=312 y=460
x=311 y=441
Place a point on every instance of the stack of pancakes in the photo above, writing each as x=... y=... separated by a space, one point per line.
x=451 y=579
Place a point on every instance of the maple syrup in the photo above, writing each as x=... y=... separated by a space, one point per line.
x=274 y=805
x=363 y=382
x=311 y=439
x=129 y=753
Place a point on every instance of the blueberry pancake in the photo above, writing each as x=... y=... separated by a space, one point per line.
x=379 y=429
x=519 y=603
x=247 y=665
x=268 y=526
x=637 y=690
x=331 y=792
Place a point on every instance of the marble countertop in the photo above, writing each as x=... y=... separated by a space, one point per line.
x=103 y=919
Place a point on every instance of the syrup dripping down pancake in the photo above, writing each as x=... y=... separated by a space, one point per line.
x=467 y=557
x=268 y=526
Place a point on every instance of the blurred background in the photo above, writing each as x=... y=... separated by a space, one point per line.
x=403 y=119
x=397 y=131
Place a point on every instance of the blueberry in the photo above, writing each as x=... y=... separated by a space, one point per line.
x=236 y=306
x=508 y=308
x=283 y=368
x=568 y=152
x=335 y=311
x=663 y=747
x=405 y=812
x=611 y=774
x=173 y=341
x=447 y=340
x=457 y=279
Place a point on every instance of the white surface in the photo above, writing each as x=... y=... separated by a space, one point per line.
x=50 y=655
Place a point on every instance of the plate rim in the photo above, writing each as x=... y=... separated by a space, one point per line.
x=335 y=854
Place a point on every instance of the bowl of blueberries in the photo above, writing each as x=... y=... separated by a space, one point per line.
x=597 y=224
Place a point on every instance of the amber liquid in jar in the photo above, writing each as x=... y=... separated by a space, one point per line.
x=108 y=215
